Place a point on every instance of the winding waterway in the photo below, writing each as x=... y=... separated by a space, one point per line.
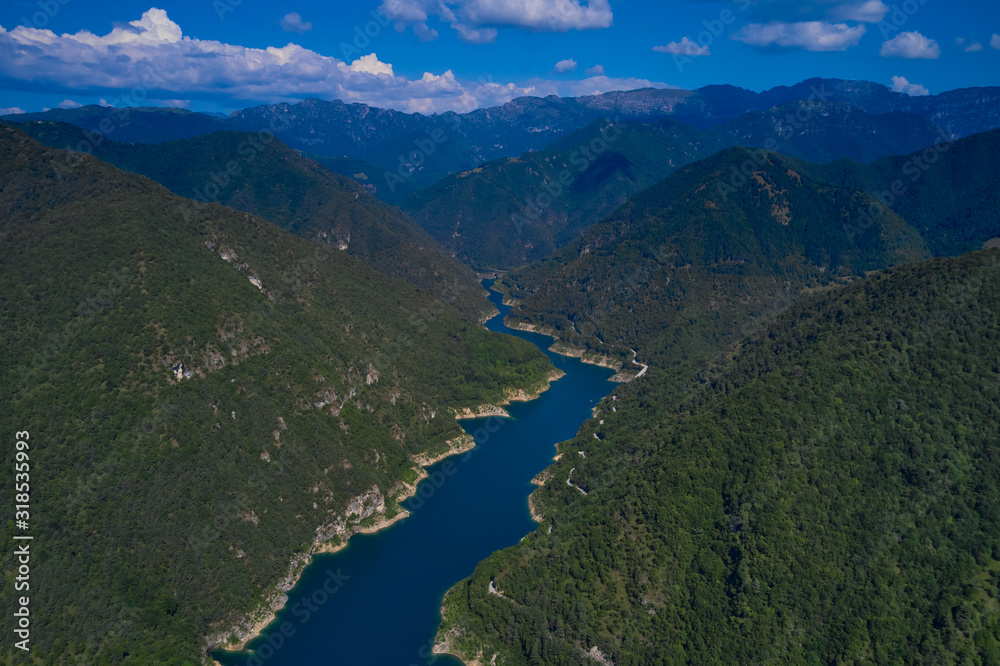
x=377 y=602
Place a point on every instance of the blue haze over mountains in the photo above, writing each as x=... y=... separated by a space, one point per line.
x=380 y=136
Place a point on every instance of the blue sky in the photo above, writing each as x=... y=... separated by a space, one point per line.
x=435 y=55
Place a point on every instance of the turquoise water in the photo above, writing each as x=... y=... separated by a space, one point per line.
x=377 y=602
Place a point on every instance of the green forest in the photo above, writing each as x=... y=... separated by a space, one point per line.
x=202 y=392
x=258 y=174
x=692 y=263
x=825 y=491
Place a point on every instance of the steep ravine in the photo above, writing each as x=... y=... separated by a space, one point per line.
x=463 y=508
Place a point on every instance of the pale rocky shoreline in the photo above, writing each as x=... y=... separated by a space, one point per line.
x=445 y=647
x=364 y=506
x=520 y=395
x=257 y=620
x=481 y=411
x=565 y=349
x=536 y=514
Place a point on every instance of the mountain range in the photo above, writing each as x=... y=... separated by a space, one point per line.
x=397 y=142
x=234 y=352
x=512 y=211
x=690 y=262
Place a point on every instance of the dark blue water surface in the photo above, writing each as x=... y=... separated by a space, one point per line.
x=377 y=602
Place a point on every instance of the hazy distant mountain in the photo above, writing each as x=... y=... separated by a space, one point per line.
x=963 y=112
x=433 y=146
x=529 y=123
x=131 y=125
x=826 y=131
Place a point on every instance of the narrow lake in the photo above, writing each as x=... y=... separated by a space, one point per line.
x=385 y=609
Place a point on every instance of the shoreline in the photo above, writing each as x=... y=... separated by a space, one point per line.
x=445 y=647
x=519 y=395
x=260 y=619
x=487 y=314
x=562 y=348
x=443 y=643
x=536 y=514
x=400 y=492
x=404 y=491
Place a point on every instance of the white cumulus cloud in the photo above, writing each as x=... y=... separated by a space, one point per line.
x=10 y=110
x=995 y=41
x=807 y=35
x=684 y=47
x=596 y=70
x=476 y=21
x=69 y=104
x=150 y=62
x=901 y=85
x=910 y=45
x=564 y=66
x=973 y=47
x=150 y=59
x=372 y=65
x=292 y=22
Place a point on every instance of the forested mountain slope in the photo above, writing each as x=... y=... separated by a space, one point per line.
x=515 y=210
x=947 y=190
x=686 y=266
x=207 y=396
x=827 y=491
x=512 y=211
x=258 y=174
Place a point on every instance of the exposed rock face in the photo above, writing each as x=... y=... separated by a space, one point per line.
x=480 y=412
x=360 y=507
x=598 y=656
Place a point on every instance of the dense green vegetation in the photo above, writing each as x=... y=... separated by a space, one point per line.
x=826 y=492
x=947 y=191
x=686 y=266
x=166 y=506
x=515 y=210
x=510 y=211
x=258 y=174
x=819 y=131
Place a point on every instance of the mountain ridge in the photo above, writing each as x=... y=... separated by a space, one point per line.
x=240 y=392
x=262 y=176
x=512 y=211
x=357 y=130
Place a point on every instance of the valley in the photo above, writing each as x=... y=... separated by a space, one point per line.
x=421 y=372
x=480 y=494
